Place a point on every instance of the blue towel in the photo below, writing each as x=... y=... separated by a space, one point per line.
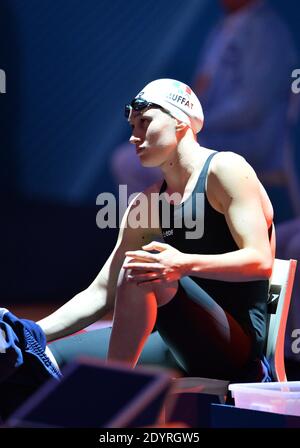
x=24 y=366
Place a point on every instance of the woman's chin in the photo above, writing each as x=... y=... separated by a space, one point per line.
x=148 y=163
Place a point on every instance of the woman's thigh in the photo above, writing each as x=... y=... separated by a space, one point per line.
x=206 y=340
x=95 y=344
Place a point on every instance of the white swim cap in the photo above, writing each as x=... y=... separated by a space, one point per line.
x=177 y=98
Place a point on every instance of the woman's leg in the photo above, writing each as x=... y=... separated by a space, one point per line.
x=95 y=344
x=205 y=340
x=92 y=344
x=135 y=316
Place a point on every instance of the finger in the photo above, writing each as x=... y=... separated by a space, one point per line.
x=134 y=272
x=144 y=266
x=144 y=277
x=141 y=255
x=156 y=245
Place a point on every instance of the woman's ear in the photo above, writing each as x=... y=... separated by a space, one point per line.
x=180 y=125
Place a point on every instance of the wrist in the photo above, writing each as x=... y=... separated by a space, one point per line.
x=185 y=265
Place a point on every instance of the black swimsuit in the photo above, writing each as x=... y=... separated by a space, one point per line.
x=209 y=323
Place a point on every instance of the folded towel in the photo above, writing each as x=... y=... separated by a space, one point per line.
x=24 y=365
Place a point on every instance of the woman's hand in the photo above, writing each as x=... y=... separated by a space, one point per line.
x=145 y=267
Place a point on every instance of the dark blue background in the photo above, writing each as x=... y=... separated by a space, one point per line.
x=70 y=68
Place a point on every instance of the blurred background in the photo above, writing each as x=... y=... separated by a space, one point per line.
x=70 y=68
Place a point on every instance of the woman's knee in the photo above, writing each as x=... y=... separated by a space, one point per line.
x=163 y=291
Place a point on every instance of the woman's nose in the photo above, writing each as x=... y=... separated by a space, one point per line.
x=134 y=139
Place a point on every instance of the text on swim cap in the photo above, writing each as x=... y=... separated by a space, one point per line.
x=180 y=99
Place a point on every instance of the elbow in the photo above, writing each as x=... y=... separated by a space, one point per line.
x=260 y=265
x=265 y=267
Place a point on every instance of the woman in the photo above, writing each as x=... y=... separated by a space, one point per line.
x=205 y=287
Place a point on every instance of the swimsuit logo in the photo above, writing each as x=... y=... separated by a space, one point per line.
x=274 y=297
x=168 y=233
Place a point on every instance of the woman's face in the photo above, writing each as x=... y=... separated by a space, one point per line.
x=154 y=136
